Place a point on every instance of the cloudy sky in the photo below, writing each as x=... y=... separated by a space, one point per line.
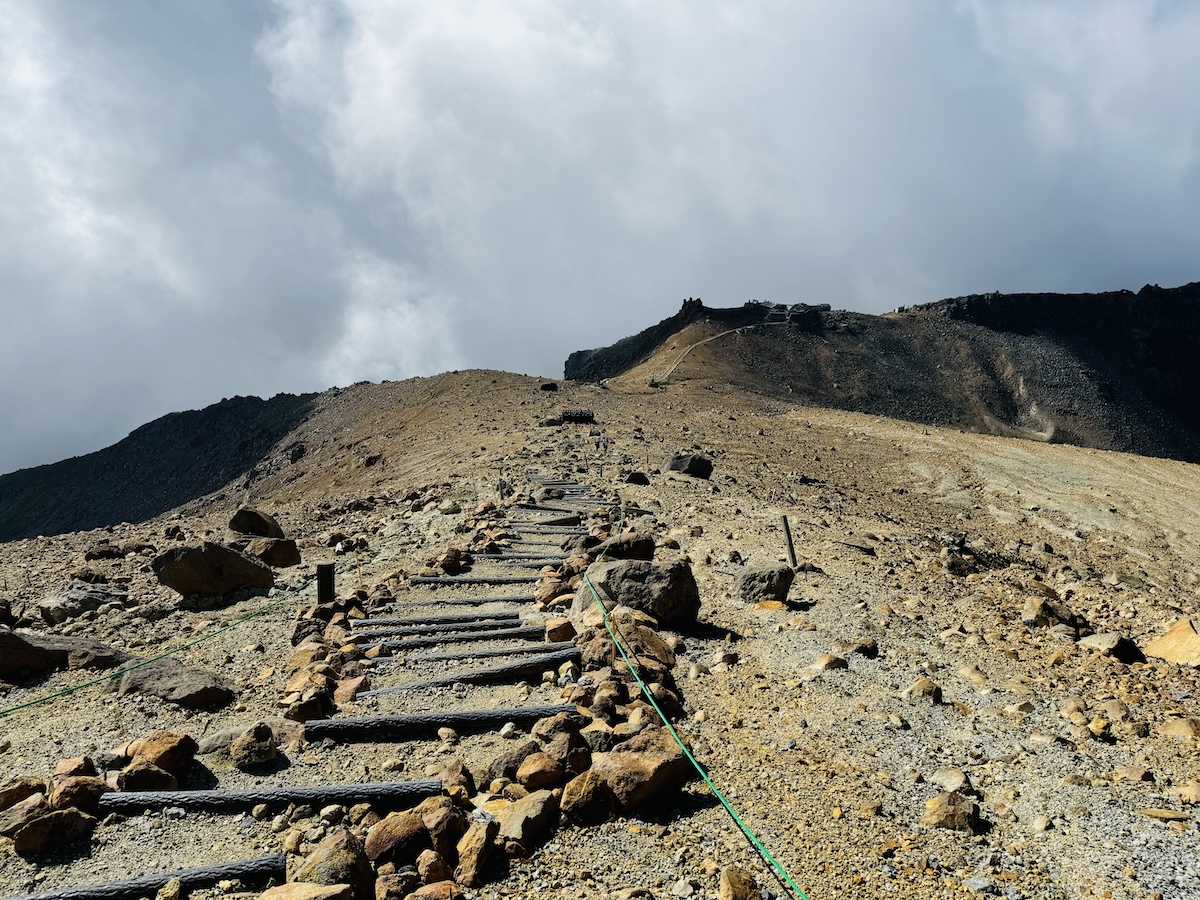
x=205 y=198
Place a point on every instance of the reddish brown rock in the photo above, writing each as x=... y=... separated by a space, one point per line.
x=559 y=630
x=142 y=775
x=76 y=765
x=643 y=767
x=439 y=890
x=80 y=791
x=473 y=851
x=295 y=891
x=168 y=750
x=456 y=774
x=22 y=813
x=346 y=689
x=53 y=830
x=397 y=838
x=432 y=868
x=446 y=825
x=587 y=799
x=12 y=792
x=538 y=771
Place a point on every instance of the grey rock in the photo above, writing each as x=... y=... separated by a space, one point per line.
x=689 y=464
x=757 y=585
x=666 y=590
x=629 y=545
x=23 y=654
x=76 y=598
x=174 y=682
x=256 y=522
x=210 y=569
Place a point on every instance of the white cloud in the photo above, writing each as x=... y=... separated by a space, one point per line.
x=207 y=199
x=392 y=327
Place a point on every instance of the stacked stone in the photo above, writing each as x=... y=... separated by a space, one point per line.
x=325 y=667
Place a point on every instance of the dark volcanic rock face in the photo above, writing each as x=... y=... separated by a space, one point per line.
x=1112 y=371
x=160 y=466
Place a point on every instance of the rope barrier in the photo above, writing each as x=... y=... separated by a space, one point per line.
x=118 y=673
x=780 y=873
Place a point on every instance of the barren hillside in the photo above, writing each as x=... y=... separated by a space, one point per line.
x=1112 y=371
x=932 y=543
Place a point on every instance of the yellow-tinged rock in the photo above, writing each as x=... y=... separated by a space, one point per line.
x=1165 y=815
x=308 y=892
x=1179 y=645
x=1180 y=728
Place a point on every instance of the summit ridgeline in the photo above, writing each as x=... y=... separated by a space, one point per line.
x=1110 y=371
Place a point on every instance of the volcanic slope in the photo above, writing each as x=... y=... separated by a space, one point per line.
x=1112 y=371
x=928 y=542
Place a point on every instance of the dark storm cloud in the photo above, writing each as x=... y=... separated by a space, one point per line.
x=204 y=199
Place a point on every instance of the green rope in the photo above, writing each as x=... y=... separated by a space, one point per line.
x=117 y=673
x=746 y=830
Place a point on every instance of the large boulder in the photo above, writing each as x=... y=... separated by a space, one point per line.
x=210 y=569
x=689 y=464
x=256 y=522
x=27 y=654
x=665 y=590
x=643 y=768
x=174 y=682
x=76 y=598
x=759 y=585
x=276 y=552
x=628 y=545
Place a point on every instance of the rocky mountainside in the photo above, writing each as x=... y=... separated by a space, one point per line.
x=1111 y=371
x=961 y=695
x=160 y=466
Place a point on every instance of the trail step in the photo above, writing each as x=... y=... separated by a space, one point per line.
x=512 y=671
x=420 y=725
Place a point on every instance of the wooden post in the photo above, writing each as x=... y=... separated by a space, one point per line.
x=787 y=533
x=325 y=591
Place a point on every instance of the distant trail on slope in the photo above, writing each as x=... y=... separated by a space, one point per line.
x=663 y=378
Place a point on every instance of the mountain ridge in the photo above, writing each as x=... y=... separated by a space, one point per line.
x=1108 y=371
